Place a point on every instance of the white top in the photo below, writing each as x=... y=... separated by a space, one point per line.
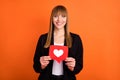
x=57 y=68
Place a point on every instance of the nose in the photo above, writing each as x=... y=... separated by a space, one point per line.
x=59 y=18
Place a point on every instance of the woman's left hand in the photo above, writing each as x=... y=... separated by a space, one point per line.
x=70 y=62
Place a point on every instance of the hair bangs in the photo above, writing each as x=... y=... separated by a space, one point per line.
x=60 y=11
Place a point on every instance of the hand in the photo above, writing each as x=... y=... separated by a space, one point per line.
x=70 y=62
x=44 y=60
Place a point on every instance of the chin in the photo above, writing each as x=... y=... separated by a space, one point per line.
x=59 y=27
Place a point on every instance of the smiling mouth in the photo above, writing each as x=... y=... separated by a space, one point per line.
x=59 y=23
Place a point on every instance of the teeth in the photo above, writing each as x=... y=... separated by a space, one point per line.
x=59 y=23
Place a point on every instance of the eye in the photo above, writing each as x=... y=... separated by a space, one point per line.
x=55 y=16
x=63 y=16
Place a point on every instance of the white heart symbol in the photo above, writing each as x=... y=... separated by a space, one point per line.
x=58 y=53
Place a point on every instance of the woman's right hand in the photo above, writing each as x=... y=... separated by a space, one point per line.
x=44 y=61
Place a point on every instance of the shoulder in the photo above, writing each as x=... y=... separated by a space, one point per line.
x=43 y=37
x=76 y=40
x=74 y=35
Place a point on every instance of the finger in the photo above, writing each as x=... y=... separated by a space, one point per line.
x=47 y=58
x=70 y=64
x=42 y=60
x=71 y=68
x=45 y=63
x=70 y=59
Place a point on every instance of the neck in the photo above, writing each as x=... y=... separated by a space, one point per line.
x=59 y=32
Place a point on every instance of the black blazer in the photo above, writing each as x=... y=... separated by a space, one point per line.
x=76 y=51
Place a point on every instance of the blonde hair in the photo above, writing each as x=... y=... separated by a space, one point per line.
x=56 y=11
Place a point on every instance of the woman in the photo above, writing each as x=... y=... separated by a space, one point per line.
x=58 y=35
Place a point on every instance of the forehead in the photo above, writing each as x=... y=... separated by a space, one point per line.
x=60 y=12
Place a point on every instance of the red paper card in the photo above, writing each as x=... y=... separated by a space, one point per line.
x=58 y=53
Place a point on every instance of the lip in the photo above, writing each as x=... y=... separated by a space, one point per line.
x=59 y=23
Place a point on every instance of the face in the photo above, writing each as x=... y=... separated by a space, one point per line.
x=59 y=21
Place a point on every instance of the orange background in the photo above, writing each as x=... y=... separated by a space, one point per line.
x=23 y=21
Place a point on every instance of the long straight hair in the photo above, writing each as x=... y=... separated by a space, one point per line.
x=57 y=11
